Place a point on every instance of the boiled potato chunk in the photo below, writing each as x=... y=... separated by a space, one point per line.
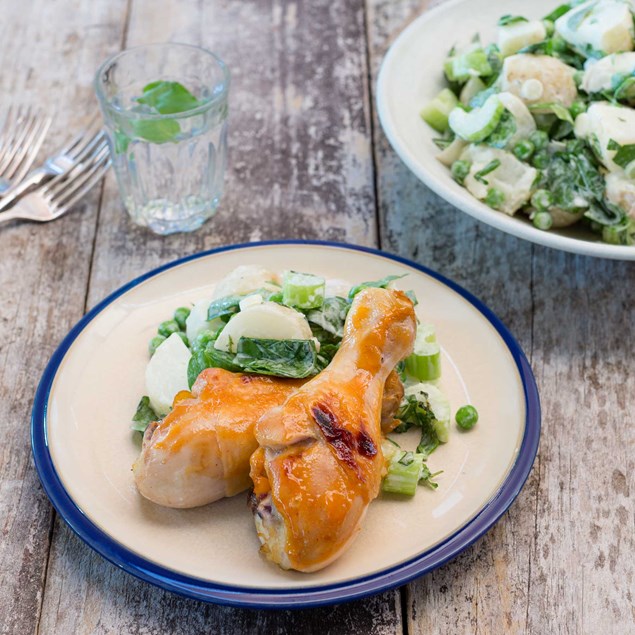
x=555 y=76
x=166 y=373
x=604 y=122
x=605 y=26
x=267 y=321
x=513 y=37
x=244 y=280
x=598 y=75
x=513 y=177
x=621 y=192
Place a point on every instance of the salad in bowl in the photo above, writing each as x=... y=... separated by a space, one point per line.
x=541 y=121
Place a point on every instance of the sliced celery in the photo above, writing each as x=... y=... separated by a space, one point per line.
x=459 y=68
x=473 y=87
x=403 y=474
x=425 y=362
x=437 y=111
x=302 y=290
x=479 y=123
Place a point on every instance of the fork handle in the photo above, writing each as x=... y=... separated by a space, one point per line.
x=10 y=215
x=33 y=178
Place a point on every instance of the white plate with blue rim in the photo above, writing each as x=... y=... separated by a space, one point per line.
x=83 y=446
x=411 y=75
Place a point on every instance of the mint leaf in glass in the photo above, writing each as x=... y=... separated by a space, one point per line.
x=168 y=98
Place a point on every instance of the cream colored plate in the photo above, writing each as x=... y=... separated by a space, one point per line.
x=92 y=386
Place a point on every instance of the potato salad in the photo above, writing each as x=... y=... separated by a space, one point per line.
x=542 y=121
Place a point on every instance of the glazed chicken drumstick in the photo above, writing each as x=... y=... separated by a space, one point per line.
x=200 y=452
x=320 y=463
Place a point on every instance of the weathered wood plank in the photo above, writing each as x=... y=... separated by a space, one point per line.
x=49 y=55
x=557 y=561
x=300 y=166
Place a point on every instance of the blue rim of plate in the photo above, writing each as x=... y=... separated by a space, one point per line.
x=304 y=597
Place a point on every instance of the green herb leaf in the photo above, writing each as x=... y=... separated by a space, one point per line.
x=168 y=98
x=156 y=130
x=625 y=153
x=330 y=316
x=427 y=477
x=503 y=132
x=557 y=12
x=507 y=19
x=282 y=358
x=557 y=109
x=415 y=412
x=144 y=415
x=490 y=167
x=378 y=284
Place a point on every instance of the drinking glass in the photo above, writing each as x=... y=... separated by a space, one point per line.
x=165 y=111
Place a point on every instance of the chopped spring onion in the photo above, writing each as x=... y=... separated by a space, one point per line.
x=459 y=68
x=403 y=474
x=437 y=111
x=302 y=290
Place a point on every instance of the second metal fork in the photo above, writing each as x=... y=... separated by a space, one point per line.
x=58 y=196
x=61 y=162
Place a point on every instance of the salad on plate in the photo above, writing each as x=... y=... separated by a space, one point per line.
x=271 y=366
x=542 y=121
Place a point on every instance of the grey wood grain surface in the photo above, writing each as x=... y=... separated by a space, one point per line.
x=308 y=160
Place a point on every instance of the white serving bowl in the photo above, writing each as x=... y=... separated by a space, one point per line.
x=412 y=74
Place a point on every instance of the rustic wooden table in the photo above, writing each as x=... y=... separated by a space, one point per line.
x=308 y=160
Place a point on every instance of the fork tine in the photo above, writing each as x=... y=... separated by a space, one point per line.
x=76 y=178
x=59 y=182
x=7 y=126
x=28 y=149
x=82 y=184
x=78 y=143
x=21 y=129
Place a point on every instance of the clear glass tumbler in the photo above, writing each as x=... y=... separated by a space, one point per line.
x=165 y=110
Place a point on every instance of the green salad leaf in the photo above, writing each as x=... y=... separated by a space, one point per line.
x=144 y=416
x=282 y=358
x=331 y=316
x=415 y=412
x=625 y=153
x=380 y=284
x=507 y=19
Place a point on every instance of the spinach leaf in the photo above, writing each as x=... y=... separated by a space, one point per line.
x=144 y=415
x=625 y=89
x=480 y=98
x=282 y=358
x=204 y=355
x=507 y=19
x=378 y=284
x=224 y=307
x=625 y=153
x=331 y=316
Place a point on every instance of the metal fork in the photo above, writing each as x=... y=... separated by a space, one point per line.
x=62 y=161
x=60 y=194
x=22 y=134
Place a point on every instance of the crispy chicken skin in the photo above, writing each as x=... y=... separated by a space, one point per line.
x=319 y=463
x=200 y=452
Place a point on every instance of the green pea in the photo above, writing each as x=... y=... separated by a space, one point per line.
x=542 y=220
x=460 y=169
x=577 y=108
x=202 y=340
x=495 y=198
x=466 y=417
x=540 y=160
x=168 y=327
x=524 y=149
x=621 y=234
x=542 y=200
x=539 y=138
x=180 y=315
x=155 y=342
